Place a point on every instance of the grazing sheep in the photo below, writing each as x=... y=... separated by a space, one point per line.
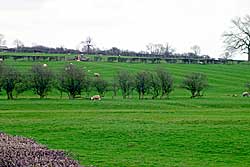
x=245 y=94
x=96 y=74
x=95 y=97
x=45 y=65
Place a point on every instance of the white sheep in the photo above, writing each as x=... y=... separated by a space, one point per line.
x=245 y=94
x=95 y=97
x=96 y=74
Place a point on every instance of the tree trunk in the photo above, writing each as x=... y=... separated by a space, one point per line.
x=10 y=96
x=71 y=96
x=193 y=94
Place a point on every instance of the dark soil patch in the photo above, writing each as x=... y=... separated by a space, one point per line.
x=23 y=152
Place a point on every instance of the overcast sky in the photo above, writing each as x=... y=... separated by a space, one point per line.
x=126 y=24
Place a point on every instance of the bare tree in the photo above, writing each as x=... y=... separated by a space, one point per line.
x=238 y=38
x=155 y=49
x=159 y=49
x=196 y=50
x=87 y=45
x=169 y=50
x=18 y=43
x=150 y=48
x=227 y=55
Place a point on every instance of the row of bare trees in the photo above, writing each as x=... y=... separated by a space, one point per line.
x=73 y=81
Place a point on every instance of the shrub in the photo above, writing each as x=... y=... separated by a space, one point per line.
x=126 y=83
x=166 y=82
x=155 y=84
x=71 y=80
x=23 y=85
x=100 y=85
x=142 y=83
x=9 y=79
x=41 y=79
x=195 y=83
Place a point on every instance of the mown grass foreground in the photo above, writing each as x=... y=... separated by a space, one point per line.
x=210 y=131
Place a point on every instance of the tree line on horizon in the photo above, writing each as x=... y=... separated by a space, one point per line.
x=236 y=40
x=155 y=50
x=74 y=81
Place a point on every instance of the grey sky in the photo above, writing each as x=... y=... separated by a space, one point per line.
x=127 y=24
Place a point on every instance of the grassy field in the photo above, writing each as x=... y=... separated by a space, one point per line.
x=210 y=131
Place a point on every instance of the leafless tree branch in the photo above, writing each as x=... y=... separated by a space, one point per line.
x=238 y=38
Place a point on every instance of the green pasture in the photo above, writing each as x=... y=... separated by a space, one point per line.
x=210 y=131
